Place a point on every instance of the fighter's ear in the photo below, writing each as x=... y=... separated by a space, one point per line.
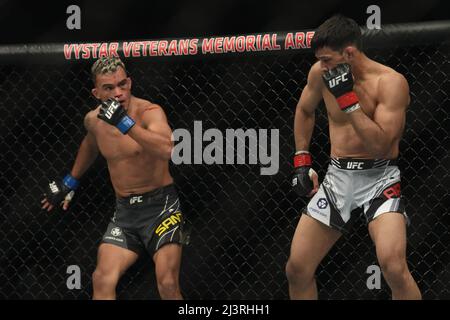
x=94 y=92
x=349 y=53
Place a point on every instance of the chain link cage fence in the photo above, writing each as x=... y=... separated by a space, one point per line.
x=242 y=222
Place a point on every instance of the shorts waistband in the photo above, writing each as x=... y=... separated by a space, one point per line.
x=361 y=164
x=144 y=197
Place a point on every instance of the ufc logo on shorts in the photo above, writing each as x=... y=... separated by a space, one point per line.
x=335 y=81
x=136 y=199
x=111 y=109
x=355 y=165
x=54 y=187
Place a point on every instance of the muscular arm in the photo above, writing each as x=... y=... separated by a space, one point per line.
x=155 y=134
x=389 y=118
x=305 y=111
x=88 y=151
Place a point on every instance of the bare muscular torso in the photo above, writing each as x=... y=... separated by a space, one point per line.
x=132 y=170
x=343 y=138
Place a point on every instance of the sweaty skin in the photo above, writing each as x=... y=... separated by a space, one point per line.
x=138 y=162
x=132 y=169
x=383 y=96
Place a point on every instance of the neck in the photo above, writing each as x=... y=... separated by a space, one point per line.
x=360 y=66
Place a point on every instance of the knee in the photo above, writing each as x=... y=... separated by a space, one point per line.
x=298 y=271
x=393 y=266
x=168 y=286
x=104 y=280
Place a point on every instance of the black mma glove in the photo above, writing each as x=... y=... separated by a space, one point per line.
x=112 y=112
x=60 y=191
x=340 y=83
x=302 y=179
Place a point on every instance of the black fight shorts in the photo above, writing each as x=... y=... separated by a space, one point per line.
x=146 y=222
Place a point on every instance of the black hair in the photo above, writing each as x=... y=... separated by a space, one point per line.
x=336 y=33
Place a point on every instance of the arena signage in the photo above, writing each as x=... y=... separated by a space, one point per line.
x=190 y=47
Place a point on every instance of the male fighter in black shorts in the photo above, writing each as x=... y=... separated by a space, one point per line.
x=134 y=137
x=366 y=104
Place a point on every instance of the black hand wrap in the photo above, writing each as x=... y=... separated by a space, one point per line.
x=57 y=192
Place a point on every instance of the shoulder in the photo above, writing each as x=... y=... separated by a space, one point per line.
x=90 y=119
x=390 y=76
x=315 y=75
x=393 y=84
x=152 y=107
x=393 y=89
x=150 y=112
x=315 y=68
x=144 y=105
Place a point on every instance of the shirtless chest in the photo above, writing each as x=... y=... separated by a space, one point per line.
x=133 y=169
x=113 y=145
x=367 y=94
x=344 y=140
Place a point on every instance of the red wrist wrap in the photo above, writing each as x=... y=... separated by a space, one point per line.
x=347 y=99
x=301 y=160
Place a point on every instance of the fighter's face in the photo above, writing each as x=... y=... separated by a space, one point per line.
x=330 y=58
x=113 y=85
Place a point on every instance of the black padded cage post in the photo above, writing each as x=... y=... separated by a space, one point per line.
x=242 y=222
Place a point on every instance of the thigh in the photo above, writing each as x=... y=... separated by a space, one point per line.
x=312 y=241
x=114 y=259
x=168 y=260
x=388 y=232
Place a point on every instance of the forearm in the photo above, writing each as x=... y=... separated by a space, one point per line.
x=152 y=142
x=87 y=153
x=303 y=129
x=376 y=141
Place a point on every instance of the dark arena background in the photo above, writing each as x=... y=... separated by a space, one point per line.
x=241 y=222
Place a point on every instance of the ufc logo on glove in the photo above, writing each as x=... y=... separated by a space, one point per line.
x=335 y=81
x=54 y=187
x=111 y=109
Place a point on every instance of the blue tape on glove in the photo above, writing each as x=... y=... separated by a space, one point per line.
x=125 y=124
x=71 y=182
